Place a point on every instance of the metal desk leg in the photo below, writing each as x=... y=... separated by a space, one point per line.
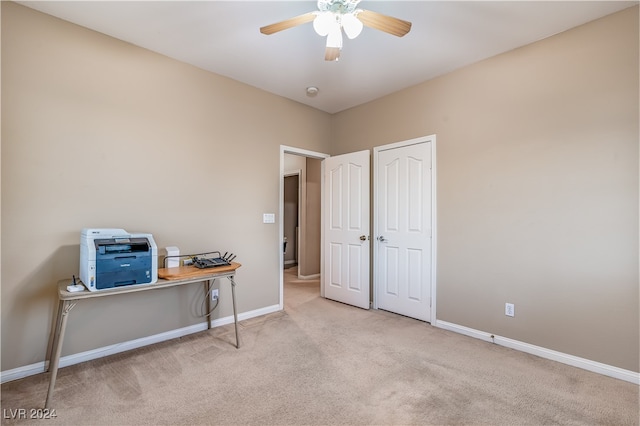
x=56 y=335
x=57 y=349
x=207 y=295
x=235 y=312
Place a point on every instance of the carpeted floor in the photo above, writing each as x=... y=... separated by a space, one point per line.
x=322 y=362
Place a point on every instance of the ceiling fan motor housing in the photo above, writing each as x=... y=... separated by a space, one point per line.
x=338 y=6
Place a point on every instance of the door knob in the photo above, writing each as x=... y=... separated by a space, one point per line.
x=363 y=238
x=381 y=239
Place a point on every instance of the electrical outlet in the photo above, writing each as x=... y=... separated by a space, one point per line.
x=509 y=309
x=214 y=294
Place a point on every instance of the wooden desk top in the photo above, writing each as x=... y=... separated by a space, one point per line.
x=191 y=271
x=167 y=277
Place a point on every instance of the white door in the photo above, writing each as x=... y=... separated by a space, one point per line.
x=403 y=213
x=346 y=228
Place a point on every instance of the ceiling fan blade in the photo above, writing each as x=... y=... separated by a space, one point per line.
x=331 y=53
x=288 y=23
x=388 y=24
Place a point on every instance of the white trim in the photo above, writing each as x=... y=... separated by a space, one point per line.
x=309 y=277
x=574 y=361
x=306 y=153
x=585 y=364
x=292 y=173
x=303 y=152
x=415 y=141
x=373 y=247
x=322 y=230
x=434 y=237
x=290 y=262
x=40 y=367
x=375 y=284
x=434 y=246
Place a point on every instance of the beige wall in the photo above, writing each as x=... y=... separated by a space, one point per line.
x=537 y=187
x=312 y=228
x=100 y=133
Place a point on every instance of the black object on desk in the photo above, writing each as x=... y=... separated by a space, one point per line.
x=209 y=263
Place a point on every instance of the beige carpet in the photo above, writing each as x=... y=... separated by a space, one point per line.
x=322 y=362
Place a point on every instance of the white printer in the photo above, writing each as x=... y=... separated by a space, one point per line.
x=113 y=258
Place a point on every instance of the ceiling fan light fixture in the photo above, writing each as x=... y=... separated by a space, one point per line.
x=323 y=22
x=334 y=39
x=352 y=25
x=333 y=16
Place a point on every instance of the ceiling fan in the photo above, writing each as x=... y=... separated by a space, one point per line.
x=333 y=16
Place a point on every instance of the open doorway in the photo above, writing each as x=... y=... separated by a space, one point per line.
x=300 y=220
x=291 y=218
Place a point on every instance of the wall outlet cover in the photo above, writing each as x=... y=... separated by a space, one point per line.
x=509 y=309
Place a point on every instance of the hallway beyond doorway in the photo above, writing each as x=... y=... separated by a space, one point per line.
x=297 y=292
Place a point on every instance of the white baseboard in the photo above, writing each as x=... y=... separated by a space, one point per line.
x=309 y=277
x=585 y=364
x=40 y=367
x=289 y=262
x=255 y=313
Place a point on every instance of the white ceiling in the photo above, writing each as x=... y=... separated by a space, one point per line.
x=223 y=37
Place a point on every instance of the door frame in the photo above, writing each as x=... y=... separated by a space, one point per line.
x=376 y=279
x=284 y=149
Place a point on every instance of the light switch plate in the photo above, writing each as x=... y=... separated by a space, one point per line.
x=269 y=218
